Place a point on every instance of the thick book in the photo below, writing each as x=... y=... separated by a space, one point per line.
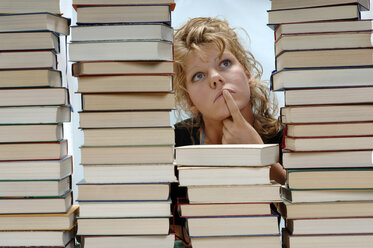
x=123 y=14
x=295 y=4
x=120 y=50
x=124 y=226
x=31 y=133
x=344 y=178
x=28 y=60
x=128 y=68
x=326 y=209
x=326 y=195
x=34 y=97
x=123 y=191
x=125 y=83
x=36 y=205
x=310 y=41
x=327 y=113
x=34 y=22
x=101 y=2
x=35 y=187
x=120 y=119
x=353 y=143
x=128 y=136
x=30 y=78
x=21 y=41
x=325 y=58
x=324 y=13
x=267 y=241
x=295 y=160
x=127 y=154
x=39 y=222
x=221 y=175
x=36 y=169
x=232 y=226
x=128 y=101
x=227 y=155
x=33 y=151
x=234 y=193
x=120 y=209
x=23 y=6
x=122 y=32
x=158 y=241
x=37 y=238
x=131 y=173
x=299 y=78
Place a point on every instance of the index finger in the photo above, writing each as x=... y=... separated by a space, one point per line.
x=232 y=106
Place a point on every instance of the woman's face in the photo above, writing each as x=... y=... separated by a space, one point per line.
x=208 y=74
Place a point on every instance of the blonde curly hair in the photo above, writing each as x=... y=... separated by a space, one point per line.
x=204 y=30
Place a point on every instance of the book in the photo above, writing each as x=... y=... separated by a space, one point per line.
x=36 y=205
x=324 y=13
x=109 y=68
x=160 y=241
x=128 y=136
x=227 y=155
x=268 y=241
x=330 y=226
x=323 y=27
x=330 y=129
x=33 y=151
x=345 y=95
x=122 y=32
x=126 y=83
x=96 y=2
x=123 y=191
x=295 y=78
x=34 y=97
x=132 y=173
x=234 y=193
x=324 y=241
x=126 y=154
x=124 y=226
x=28 y=60
x=128 y=101
x=124 y=209
x=329 y=143
x=123 y=14
x=30 y=78
x=36 y=238
x=294 y=160
x=24 y=6
x=31 y=133
x=232 y=226
x=34 y=114
x=34 y=22
x=120 y=50
x=344 y=178
x=124 y=119
x=325 y=209
x=294 y=4
x=325 y=58
x=42 y=187
x=310 y=41
x=36 y=169
x=326 y=195
x=220 y=175
x=327 y=113
x=39 y=222
x=21 y=41
x=222 y=209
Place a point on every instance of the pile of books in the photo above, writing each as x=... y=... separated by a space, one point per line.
x=124 y=65
x=229 y=195
x=35 y=169
x=326 y=71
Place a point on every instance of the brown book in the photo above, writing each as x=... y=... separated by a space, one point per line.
x=19 y=6
x=30 y=78
x=37 y=238
x=31 y=133
x=160 y=241
x=28 y=60
x=21 y=41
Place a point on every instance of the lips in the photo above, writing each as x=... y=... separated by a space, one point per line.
x=220 y=94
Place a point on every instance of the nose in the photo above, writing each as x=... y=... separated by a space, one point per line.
x=215 y=79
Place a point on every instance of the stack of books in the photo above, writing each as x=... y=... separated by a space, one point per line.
x=124 y=66
x=35 y=169
x=326 y=71
x=229 y=195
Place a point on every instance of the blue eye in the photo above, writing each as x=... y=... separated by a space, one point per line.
x=225 y=63
x=198 y=76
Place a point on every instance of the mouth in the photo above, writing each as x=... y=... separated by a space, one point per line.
x=220 y=94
